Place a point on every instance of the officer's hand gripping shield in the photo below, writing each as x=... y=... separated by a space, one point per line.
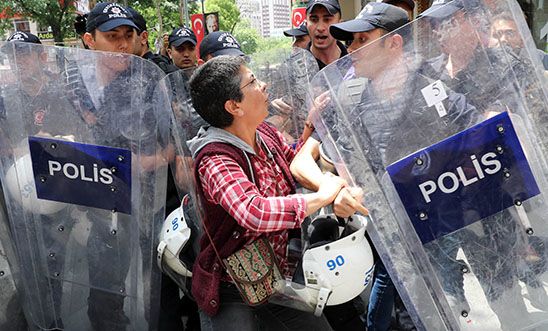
x=446 y=134
x=84 y=164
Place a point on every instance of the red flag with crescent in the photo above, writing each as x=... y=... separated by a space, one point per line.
x=298 y=16
x=198 y=27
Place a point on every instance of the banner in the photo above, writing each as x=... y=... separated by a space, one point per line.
x=198 y=27
x=298 y=16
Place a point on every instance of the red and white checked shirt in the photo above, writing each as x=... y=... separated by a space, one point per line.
x=265 y=208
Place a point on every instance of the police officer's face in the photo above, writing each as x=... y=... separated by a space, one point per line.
x=371 y=60
x=184 y=55
x=28 y=63
x=455 y=34
x=318 y=22
x=118 y=40
x=363 y=38
x=505 y=32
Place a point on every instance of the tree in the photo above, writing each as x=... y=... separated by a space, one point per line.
x=56 y=14
x=170 y=16
x=274 y=43
x=247 y=36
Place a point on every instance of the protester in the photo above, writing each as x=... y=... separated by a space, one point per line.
x=182 y=48
x=300 y=35
x=320 y=14
x=243 y=178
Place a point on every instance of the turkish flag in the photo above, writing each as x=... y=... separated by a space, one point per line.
x=198 y=26
x=298 y=16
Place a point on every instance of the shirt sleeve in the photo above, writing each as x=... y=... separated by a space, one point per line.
x=225 y=183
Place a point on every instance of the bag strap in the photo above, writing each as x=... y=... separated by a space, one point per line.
x=213 y=245
x=205 y=227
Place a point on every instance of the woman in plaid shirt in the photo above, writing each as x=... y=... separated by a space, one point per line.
x=243 y=178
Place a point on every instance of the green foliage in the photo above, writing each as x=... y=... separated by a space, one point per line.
x=5 y=26
x=169 y=10
x=274 y=43
x=270 y=55
x=57 y=14
x=247 y=36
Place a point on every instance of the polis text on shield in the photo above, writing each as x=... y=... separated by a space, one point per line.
x=449 y=182
x=73 y=171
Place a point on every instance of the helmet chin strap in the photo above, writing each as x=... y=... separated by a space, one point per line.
x=323 y=295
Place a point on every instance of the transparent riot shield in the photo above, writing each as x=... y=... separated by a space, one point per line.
x=84 y=163
x=447 y=138
x=11 y=311
x=288 y=74
x=179 y=238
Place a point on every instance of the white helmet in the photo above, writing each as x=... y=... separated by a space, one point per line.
x=338 y=262
x=175 y=252
x=19 y=182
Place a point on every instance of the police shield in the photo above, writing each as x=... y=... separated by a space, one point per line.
x=11 y=312
x=288 y=74
x=178 y=239
x=443 y=125
x=84 y=164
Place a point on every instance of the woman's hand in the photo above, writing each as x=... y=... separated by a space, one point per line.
x=330 y=186
x=347 y=202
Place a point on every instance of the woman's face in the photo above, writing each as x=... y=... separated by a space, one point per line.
x=255 y=101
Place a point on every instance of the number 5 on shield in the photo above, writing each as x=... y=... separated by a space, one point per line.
x=434 y=94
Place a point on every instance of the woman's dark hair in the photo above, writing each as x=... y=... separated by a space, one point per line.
x=212 y=85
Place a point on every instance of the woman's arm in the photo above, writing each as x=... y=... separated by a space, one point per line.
x=304 y=167
x=225 y=183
